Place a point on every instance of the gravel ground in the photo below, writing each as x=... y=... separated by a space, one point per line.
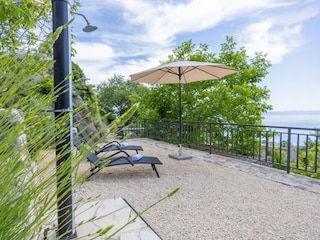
x=214 y=202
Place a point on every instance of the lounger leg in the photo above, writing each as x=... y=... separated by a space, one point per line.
x=94 y=169
x=92 y=172
x=155 y=169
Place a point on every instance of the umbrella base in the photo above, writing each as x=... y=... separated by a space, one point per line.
x=179 y=156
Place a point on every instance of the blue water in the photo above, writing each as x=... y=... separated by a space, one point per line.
x=294 y=119
x=301 y=119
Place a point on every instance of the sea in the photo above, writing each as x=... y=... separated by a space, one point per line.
x=294 y=119
x=299 y=119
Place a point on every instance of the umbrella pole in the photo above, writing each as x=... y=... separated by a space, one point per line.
x=180 y=156
x=180 y=113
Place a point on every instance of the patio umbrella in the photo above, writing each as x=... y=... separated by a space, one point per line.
x=180 y=72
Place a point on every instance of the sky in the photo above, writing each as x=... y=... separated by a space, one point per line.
x=136 y=35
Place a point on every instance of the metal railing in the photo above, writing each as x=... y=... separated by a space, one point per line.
x=288 y=148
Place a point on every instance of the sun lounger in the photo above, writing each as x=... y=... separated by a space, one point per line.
x=115 y=159
x=110 y=146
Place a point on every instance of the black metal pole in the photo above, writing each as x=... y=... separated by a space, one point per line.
x=180 y=112
x=289 y=150
x=63 y=107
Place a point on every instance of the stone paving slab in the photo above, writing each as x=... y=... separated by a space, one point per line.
x=108 y=212
x=90 y=217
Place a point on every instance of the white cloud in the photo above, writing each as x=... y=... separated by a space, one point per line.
x=148 y=30
x=87 y=51
x=276 y=35
x=93 y=58
x=134 y=66
x=100 y=63
x=161 y=21
x=265 y=37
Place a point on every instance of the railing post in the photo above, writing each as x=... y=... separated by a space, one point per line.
x=210 y=147
x=267 y=146
x=288 y=150
x=316 y=157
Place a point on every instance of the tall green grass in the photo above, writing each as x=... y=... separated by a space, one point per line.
x=28 y=136
x=28 y=176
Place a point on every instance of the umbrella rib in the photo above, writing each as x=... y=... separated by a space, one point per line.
x=168 y=70
x=207 y=72
x=189 y=69
x=150 y=73
x=159 y=78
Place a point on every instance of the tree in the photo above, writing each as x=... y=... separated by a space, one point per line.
x=237 y=98
x=18 y=21
x=117 y=95
x=26 y=23
x=85 y=90
x=164 y=101
x=143 y=96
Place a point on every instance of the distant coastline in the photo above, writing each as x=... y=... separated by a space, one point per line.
x=304 y=119
x=296 y=112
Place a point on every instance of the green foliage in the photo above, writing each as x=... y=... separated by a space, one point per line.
x=28 y=191
x=85 y=90
x=45 y=85
x=165 y=101
x=18 y=21
x=307 y=162
x=117 y=95
x=143 y=95
x=27 y=182
x=26 y=23
x=308 y=159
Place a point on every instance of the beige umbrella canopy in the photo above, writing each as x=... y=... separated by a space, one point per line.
x=180 y=72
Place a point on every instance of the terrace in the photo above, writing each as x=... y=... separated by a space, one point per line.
x=220 y=197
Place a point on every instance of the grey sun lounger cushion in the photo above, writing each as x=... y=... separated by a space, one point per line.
x=110 y=146
x=118 y=158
